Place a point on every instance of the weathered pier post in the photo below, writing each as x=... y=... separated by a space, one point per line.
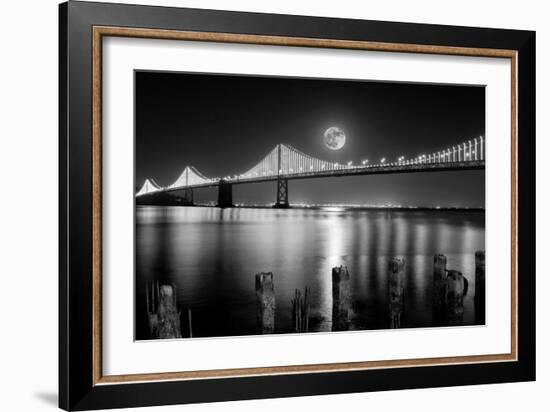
x=479 y=298
x=396 y=288
x=341 y=298
x=455 y=290
x=439 y=287
x=164 y=318
x=190 y=321
x=265 y=303
x=225 y=194
x=300 y=311
x=151 y=308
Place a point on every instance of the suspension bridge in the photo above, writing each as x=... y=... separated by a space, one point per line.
x=285 y=163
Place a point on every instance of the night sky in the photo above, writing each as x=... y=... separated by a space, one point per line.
x=224 y=125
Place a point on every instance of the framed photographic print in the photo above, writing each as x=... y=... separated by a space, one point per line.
x=259 y=205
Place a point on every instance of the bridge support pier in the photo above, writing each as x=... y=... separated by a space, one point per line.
x=188 y=197
x=282 y=194
x=225 y=194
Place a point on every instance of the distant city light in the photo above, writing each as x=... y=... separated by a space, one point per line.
x=333 y=209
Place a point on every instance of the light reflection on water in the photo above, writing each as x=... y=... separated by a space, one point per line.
x=212 y=255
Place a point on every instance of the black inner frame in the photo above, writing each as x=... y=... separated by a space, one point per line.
x=76 y=389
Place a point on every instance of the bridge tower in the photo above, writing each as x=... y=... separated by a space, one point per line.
x=282 y=184
x=225 y=194
x=188 y=198
x=282 y=193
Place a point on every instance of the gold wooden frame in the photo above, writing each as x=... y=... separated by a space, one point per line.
x=101 y=31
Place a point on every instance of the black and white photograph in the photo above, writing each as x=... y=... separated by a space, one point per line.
x=277 y=205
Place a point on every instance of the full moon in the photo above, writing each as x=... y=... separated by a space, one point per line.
x=335 y=138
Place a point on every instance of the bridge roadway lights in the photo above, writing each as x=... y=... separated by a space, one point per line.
x=225 y=194
x=282 y=194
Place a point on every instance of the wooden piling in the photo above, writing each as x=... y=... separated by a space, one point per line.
x=455 y=290
x=151 y=310
x=190 y=320
x=300 y=311
x=265 y=303
x=341 y=298
x=164 y=319
x=157 y=287
x=439 y=287
x=479 y=297
x=147 y=298
x=396 y=289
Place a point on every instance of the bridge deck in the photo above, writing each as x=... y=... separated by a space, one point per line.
x=346 y=171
